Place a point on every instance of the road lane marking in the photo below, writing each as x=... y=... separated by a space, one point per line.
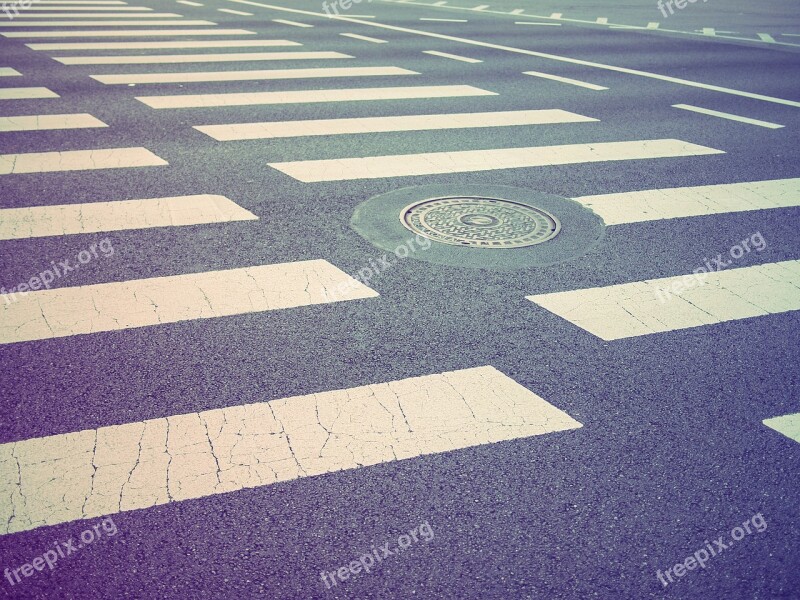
x=788 y=425
x=112 y=469
x=468 y=161
x=300 y=97
x=640 y=308
x=365 y=38
x=171 y=23
x=78 y=160
x=444 y=20
x=230 y=11
x=64 y=312
x=49 y=122
x=653 y=25
x=452 y=56
x=602 y=20
x=9 y=72
x=532 y=23
x=95 y=217
x=284 y=129
x=191 y=77
x=729 y=116
x=127 y=33
x=481 y=7
x=80 y=2
x=292 y=23
x=696 y=201
x=86 y=9
x=153 y=59
x=104 y=16
x=765 y=37
x=160 y=45
x=26 y=93
x=590 y=86
x=555 y=15
x=189 y=3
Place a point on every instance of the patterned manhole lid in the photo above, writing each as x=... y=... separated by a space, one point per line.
x=480 y=222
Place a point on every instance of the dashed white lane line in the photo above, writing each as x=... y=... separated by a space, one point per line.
x=230 y=11
x=452 y=56
x=481 y=7
x=160 y=45
x=765 y=37
x=105 y=471
x=126 y=33
x=591 y=86
x=430 y=163
x=364 y=38
x=431 y=34
x=729 y=116
x=653 y=25
x=196 y=58
x=672 y=303
x=602 y=20
x=189 y=3
x=49 y=122
x=709 y=31
x=172 y=23
x=695 y=201
x=9 y=72
x=284 y=129
x=26 y=93
x=64 y=312
x=444 y=20
x=105 y=16
x=274 y=74
x=301 y=97
x=788 y=425
x=555 y=16
x=95 y=217
x=292 y=23
x=517 y=11
x=534 y=23
x=78 y=160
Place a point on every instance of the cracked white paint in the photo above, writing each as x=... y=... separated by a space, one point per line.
x=26 y=93
x=696 y=201
x=127 y=33
x=93 y=217
x=193 y=58
x=9 y=72
x=466 y=161
x=160 y=45
x=299 y=97
x=200 y=76
x=98 y=23
x=78 y=160
x=51 y=480
x=48 y=122
x=279 y=129
x=62 y=312
x=633 y=309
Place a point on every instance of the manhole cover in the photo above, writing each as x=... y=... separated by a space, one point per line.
x=480 y=222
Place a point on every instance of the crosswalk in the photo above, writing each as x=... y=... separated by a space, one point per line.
x=107 y=470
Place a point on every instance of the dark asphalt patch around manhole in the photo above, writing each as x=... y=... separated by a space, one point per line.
x=480 y=226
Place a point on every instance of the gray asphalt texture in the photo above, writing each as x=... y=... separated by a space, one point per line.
x=673 y=451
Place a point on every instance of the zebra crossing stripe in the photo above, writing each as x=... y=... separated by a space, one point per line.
x=126 y=33
x=193 y=58
x=49 y=122
x=788 y=425
x=78 y=160
x=26 y=93
x=160 y=45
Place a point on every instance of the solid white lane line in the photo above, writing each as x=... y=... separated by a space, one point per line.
x=9 y=72
x=105 y=471
x=696 y=201
x=671 y=303
x=64 y=312
x=49 y=122
x=531 y=23
x=78 y=160
x=729 y=116
x=365 y=38
x=191 y=77
x=467 y=161
x=788 y=425
x=452 y=56
x=230 y=11
x=555 y=16
x=25 y=93
x=190 y=3
x=161 y=45
x=590 y=86
x=172 y=23
x=299 y=97
x=195 y=58
x=282 y=129
x=602 y=20
x=444 y=20
x=95 y=217
x=653 y=25
x=127 y=33
x=292 y=23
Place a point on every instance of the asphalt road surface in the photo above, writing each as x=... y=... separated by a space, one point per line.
x=417 y=301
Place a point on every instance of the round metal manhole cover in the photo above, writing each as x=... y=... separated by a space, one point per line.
x=480 y=222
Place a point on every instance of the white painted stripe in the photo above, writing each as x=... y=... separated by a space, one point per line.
x=25 y=93
x=531 y=23
x=195 y=58
x=444 y=20
x=78 y=160
x=293 y=23
x=189 y=3
x=660 y=305
x=80 y=2
x=230 y=11
x=517 y=11
x=127 y=33
x=708 y=31
x=64 y=312
x=96 y=472
x=467 y=161
x=160 y=45
x=788 y=425
x=283 y=129
x=696 y=201
x=102 y=16
x=49 y=122
x=729 y=116
x=555 y=16
x=86 y=9
x=590 y=86
x=190 y=77
x=365 y=38
x=765 y=37
x=171 y=23
x=452 y=56
x=602 y=20
x=9 y=72
x=95 y=217
x=481 y=7
x=652 y=25
x=300 y=97
x=440 y=3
